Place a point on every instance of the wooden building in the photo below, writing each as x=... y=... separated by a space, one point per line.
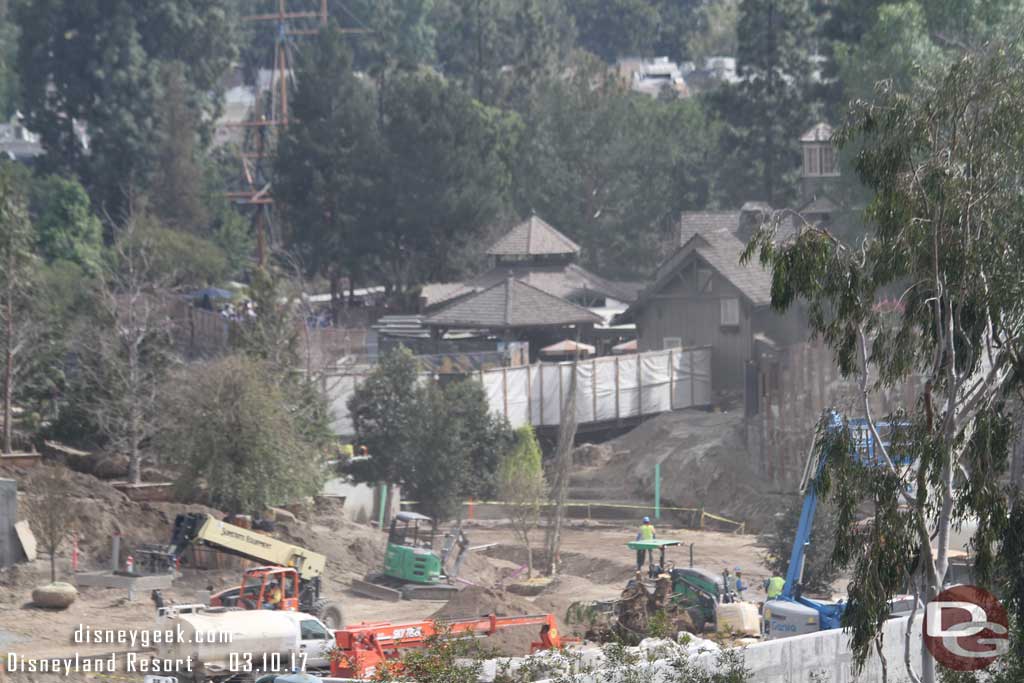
x=702 y=296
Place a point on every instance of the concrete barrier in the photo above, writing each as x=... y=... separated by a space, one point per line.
x=827 y=655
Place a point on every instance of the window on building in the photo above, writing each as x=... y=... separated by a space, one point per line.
x=703 y=279
x=730 y=312
x=820 y=160
x=671 y=342
x=811 y=161
x=828 y=160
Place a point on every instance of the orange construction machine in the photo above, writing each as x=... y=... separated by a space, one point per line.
x=362 y=648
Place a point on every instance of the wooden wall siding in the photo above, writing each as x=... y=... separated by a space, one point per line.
x=795 y=389
x=695 y=317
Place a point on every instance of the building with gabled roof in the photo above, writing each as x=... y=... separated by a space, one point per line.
x=702 y=295
x=538 y=260
x=510 y=305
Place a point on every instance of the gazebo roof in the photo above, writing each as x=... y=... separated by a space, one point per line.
x=511 y=303
x=533 y=237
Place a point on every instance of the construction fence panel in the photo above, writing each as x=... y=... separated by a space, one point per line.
x=700 y=374
x=655 y=387
x=629 y=387
x=518 y=385
x=606 y=389
x=604 y=381
x=551 y=393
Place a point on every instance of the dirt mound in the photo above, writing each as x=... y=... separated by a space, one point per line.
x=477 y=601
x=573 y=564
x=704 y=464
x=565 y=590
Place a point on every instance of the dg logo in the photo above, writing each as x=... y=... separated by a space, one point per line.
x=966 y=628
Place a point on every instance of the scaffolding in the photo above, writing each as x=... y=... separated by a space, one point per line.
x=293 y=18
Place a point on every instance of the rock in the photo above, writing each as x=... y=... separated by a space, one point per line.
x=591 y=454
x=113 y=466
x=57 y=595
x=280 y=515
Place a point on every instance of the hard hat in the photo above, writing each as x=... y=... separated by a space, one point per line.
x=647 y=520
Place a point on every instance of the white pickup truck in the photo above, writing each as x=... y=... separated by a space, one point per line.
x=204 y=644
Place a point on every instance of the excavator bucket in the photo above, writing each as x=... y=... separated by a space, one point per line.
x=376 y=591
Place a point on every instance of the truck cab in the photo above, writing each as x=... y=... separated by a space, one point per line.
x=257 y=585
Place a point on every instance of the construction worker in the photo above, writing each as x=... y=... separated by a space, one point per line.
x=773 y=587
x=646 y=533
x=273 y=600
x=740 y=586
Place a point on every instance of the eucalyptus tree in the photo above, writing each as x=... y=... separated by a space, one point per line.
x=947 y=238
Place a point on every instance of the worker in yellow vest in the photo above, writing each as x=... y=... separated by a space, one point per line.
x=646 y=533
x=774 y=586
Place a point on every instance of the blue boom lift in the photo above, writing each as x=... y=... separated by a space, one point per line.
x=791 y=613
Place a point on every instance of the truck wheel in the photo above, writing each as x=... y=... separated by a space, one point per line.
x=331 y=616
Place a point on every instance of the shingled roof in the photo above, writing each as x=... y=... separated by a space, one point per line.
x=533 y=237
x=508 y=304
x=722 y=251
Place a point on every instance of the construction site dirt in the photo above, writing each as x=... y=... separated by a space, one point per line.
x=594 y=564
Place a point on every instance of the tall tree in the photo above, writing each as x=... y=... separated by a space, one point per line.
x=439 y=444
x=177 y=174
x=771 y=106
x=128 y=348
x=382 y=410
x=474 y=41
x=66 y=228
x=8 y=61
x=90 y=72
x=399 y=33
x=616 y=28
x=16 y=254
x=328 y=164
x=446 y=176
x=942 y=160
x=609 y=167
x=229 y=423
x=521 y=485
x=897 y=47
x=546 y=37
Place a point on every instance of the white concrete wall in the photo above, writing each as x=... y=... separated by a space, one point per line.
x=794 y=660
x=359 y=498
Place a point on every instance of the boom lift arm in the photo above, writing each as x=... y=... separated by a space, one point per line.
x=364 y=647
x=865 y=451
x=203 y=529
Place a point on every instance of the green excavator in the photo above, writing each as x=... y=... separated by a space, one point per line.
x=415 y=568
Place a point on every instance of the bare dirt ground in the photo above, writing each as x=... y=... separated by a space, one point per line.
x=595 y=564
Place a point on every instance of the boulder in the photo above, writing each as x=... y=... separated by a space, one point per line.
x=589 y=454
x=112 y=466
x=57 y=595
x=279 y=515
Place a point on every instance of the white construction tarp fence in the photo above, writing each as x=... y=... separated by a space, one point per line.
x=607 y=388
